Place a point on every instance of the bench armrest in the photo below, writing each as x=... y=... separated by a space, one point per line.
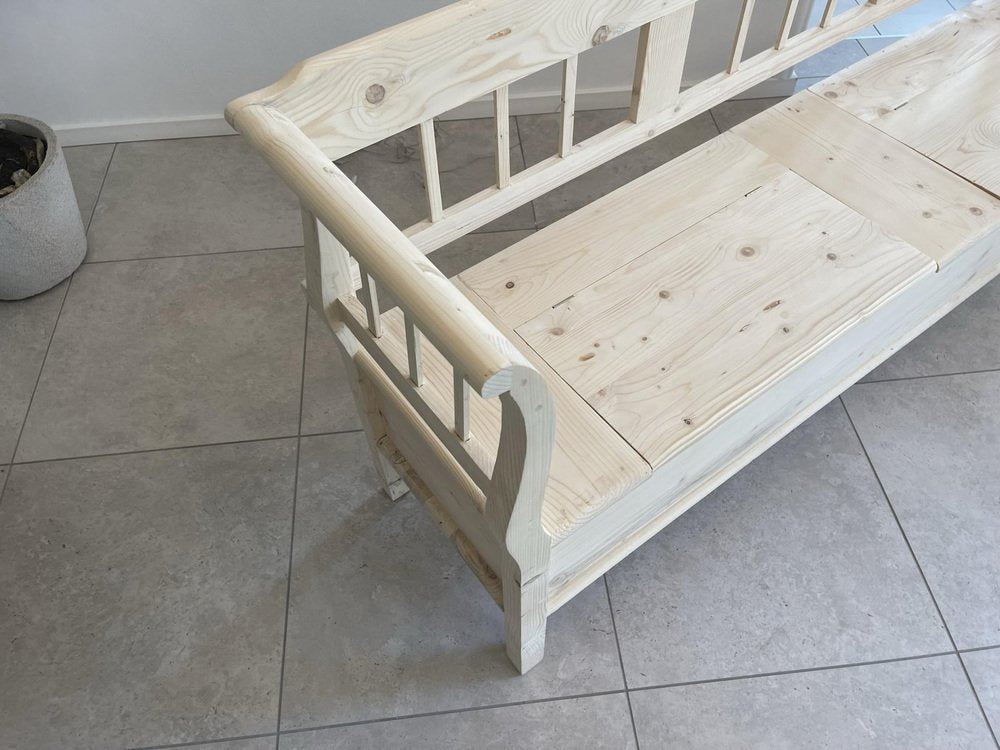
x=461 y=332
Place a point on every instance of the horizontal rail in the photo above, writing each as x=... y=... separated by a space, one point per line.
x=492 y=203
x=449 y=321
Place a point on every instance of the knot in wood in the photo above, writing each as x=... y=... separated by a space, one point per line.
x=375 y=93
x=601 y=35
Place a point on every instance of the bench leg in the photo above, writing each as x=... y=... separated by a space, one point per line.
x=374 y=428
x=524 y=616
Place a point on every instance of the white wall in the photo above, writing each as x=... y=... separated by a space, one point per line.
x=102 y=70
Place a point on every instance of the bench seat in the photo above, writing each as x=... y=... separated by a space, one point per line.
x=778 y=253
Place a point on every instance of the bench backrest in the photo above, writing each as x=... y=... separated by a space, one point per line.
x=364 y=91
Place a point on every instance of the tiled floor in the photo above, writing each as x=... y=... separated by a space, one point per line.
x=193 y=548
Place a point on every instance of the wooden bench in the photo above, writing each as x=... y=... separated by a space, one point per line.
x=559 y=403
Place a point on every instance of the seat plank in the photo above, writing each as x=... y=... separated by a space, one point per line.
x=591 y=463
x=550 y=265
x=909 y=195
x=877 y=85
x=957 y=123
x=671 y=343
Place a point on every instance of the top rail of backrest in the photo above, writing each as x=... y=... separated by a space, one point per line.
x=367 y=90
x=355 y=95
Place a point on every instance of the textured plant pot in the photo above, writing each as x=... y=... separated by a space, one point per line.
x=41 y=234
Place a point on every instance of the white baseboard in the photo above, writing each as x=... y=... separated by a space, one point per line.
x=142 y=130
x=524 y=104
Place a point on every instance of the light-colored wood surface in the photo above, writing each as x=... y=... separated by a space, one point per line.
x=492 y=203
x=432 y=175
x=786 y=23
x=956 y=123
x=619 y=529
x=362 y=92
x=742 y=29
x=567 y=107
x=444 y=315
x=659 y=63
x=547 y=267
x=875 y=86
x=586 y=472
x=685 y=322
x=501 y=118
x=668 y=345
x=907 y=194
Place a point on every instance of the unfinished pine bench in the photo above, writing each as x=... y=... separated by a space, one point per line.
x=559 y=403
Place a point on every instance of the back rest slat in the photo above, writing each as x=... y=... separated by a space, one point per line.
x=786 y=24
x=432 y=177
x=660 y=63
x=364 y=91
x=567 y=105
x=828 y=11
x=742 y=29
x=501 y=113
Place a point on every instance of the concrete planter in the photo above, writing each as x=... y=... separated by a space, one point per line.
x=42 y=240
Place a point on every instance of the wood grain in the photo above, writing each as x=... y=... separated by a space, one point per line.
x=552 y=264
x=585 y=474
x=367 y=90
x=907 y=194
x=659 y=63
x=877 y=85
x=668 y=345
x=956 y=123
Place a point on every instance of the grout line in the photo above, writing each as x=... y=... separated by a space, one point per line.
x=511 y=704
x=333 y=432
x=621 y=661
x=925 y=377
x=97 y=200
x=153 y=450
x=3 y=484
x=199 y=743
x=784 y=672
x=445 y=712
x=978 y=648
x=192 y=255
x=711 y=114
x=291 y=540
x=920 y=570
x=38 y=378
x=184 y=447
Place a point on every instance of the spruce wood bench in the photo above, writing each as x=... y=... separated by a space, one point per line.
x=631 y=357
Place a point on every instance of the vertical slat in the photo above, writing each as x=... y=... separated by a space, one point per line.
x=741 y=36
x=568 y=105
x=413 y=355
x=461 y=406
x=828 y=11
x=660 y=62
x=501 y=104
x=369 y=297
x=428 y=153
x=786 y=23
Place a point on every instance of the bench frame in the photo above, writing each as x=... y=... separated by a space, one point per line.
x=490 y=503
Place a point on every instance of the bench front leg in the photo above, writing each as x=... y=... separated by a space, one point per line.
x=514 y=510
